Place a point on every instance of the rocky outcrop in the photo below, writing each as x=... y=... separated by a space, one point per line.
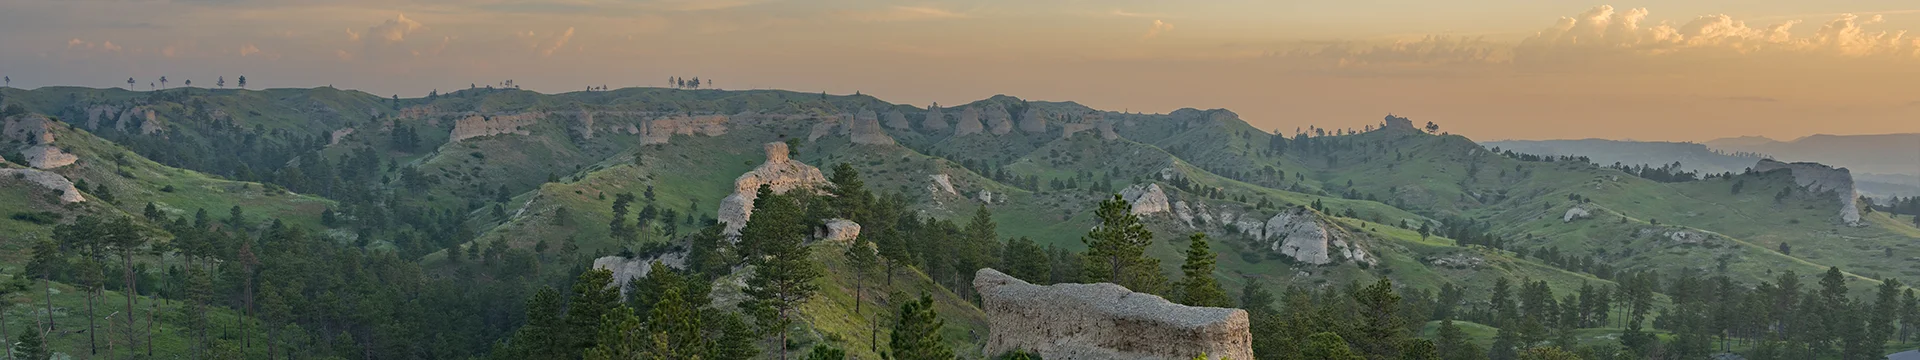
x=1398 y=124
x=1575 y=213
x=474 y=126
x=583 y=124
x=897 y=120
x=865 y=129
x=1104 y=321
x=779 y=173
x=29 y=129
x=45 y=156
x=969 y=122
x=998 y=120
x=1034 y=121
x=660 y=131
x=839 y=231
x=935 y=119
x=1300 y=233
x=1106 y=130
x=1146 y=199
x=48 y=180
x=625 y=269
x=825 y=127
x=337 y=135
x=985 y=196
x=942 y=183
x=152 y=124
x=1819 y=178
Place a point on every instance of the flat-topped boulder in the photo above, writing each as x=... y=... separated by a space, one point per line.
x=1104 y=321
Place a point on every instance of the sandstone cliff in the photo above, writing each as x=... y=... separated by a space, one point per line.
x=660 y=131
x=969 y=122
x=1398 y=124
x=48 y=180
x=935 y=119
x=1146 y=199
x=779 y=173
x=625 y=269
x=865 y=129
x=28 y=129
x=474 y=126
x=1034 y=121
x=999 y=120
x=45 y=156
x=898 y=121
x=1301 y=234
x=1104 y=321
x=1819 y=178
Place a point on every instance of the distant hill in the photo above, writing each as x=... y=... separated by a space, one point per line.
x=1692 y=156
x=1873 y=154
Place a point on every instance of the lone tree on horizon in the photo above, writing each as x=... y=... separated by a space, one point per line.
x=243 y=81
x=163 y=82
x=222 y=82
x=130 y=83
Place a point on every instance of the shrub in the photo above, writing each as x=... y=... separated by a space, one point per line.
x=38 y=217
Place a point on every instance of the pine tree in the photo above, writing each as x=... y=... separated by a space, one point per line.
x=783 y=274
x=594 y=297
x=1026 y=260
x=31 y=346
x=1381 y=328
x=1116 y=249
x=675 y=328
x=1327 y=346
x=1256 y=299
x=861 y=258
x=1453 y=343
x=46 y=259
x=916 y=336
x=824 y=352
x=1199 y=288
x=620 y=335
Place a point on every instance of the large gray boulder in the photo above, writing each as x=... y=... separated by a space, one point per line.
x=1104 y=321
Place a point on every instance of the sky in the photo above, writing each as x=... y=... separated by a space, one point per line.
x=1684 y=70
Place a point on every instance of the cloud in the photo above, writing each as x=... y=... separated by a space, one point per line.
x=1603 y=32
x=903 y=13
x=1158 y=27
x=556 y=42
x=1124 y=13
x=248 y=49
x=109 y=46
x=393 y=30
x=1427 y=51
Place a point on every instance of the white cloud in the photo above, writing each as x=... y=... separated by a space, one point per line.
x=393 y=30
x=556 y=42
x=1158 y=27
x=1603 y=31
x=248 y=49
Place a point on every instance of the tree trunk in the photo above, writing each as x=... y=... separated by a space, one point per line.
x=783 y=334
x=46 y=281
x=858 y=284
x=93 y=345
x=127 y=270
x=152 y=307
x=245 y=322
x=3 y=332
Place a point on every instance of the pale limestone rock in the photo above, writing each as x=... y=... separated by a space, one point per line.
x=30 y=129
x=985 y=196
x=779 y=173
x=1399 y=124
x=660 y=131
x=1146 y=199
x=1182 y=212
x=943 y=183
x=625 y=269
x=898 y=121
x=998 y=120
x=474 y=126
x=865 y=129
x=1300 y=233
x=935 y=119
x=45 y=156
x=583 y=123
x=152 y=124
x=823 y=128
x=839 y=231
x=1819 y=178
x=1104 y=321
x=1034 y=121
x=969 y=122
x=337 y=135
x=49 y=180
x=1575 y=213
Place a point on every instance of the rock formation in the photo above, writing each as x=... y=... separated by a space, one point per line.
x=337 y=135
x=865 y=129
x=779 y=173
x=942 y=183
x=1034 y=121
x=625 y=269
x=1146 y=199
x=998 y=120
x=1104 y=321
x=839 y=231
x=1398 y=124
x=825 y=127
x=1106 y=130
x=1819 y=178
x=969 y=122
x=898 y=121
x=474 y=126
x=1300 y=233
x=583 y=124
x=659 y=131
x=29 y=129
x=1574 y=213
x=49 y=180
x=935 y=120
x=45 y=156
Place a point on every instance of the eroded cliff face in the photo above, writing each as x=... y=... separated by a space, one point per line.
x=1301 y=234
x=625 y=269
x=1034 y=121
x=48 y=180
x=46 y=156
x=898 y=120
x=865 y=129
x=935 y=119
x=998 y=120
x=1819 y=178
x=660 y=131
x=474 y=126
x=1104 y=321
x=969 y=122
x=1146 y=199
x=28 y=129
x=779 y=173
